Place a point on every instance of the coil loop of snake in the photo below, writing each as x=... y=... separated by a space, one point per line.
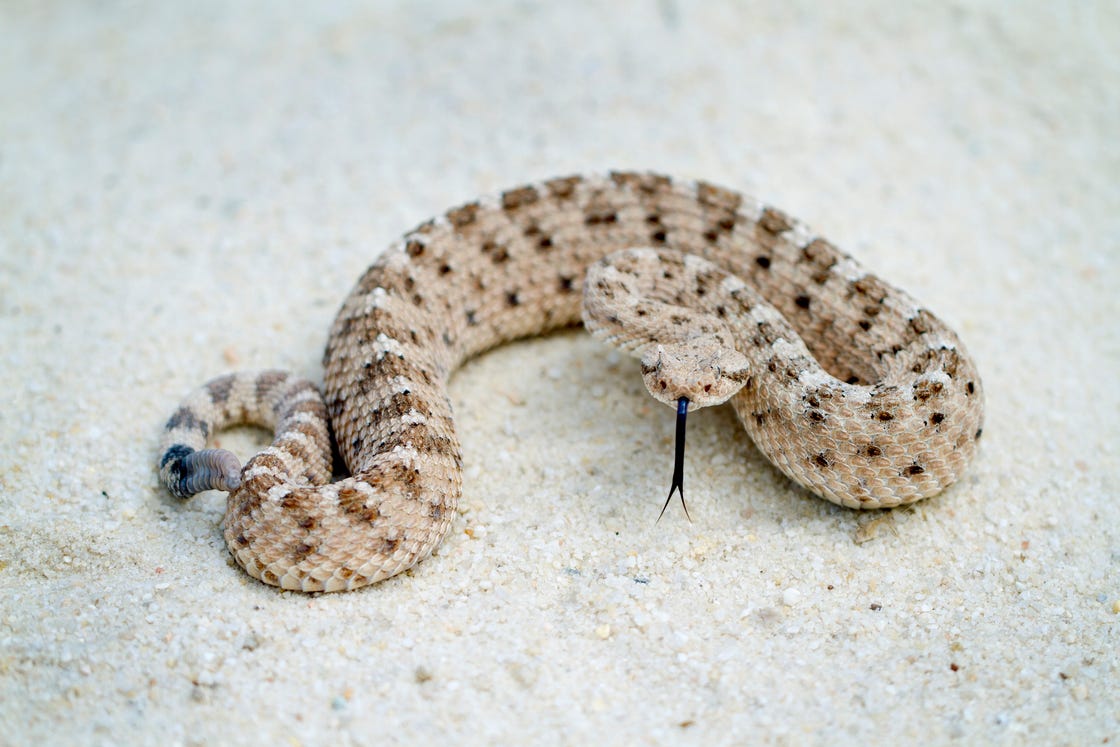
x=848 y=385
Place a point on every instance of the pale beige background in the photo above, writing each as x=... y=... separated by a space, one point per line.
x=186 y=188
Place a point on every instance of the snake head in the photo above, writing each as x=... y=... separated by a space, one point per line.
x=702 y=369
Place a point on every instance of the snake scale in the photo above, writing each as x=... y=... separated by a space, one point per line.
x=848 y=385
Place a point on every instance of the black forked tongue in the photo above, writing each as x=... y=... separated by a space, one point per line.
x=678 y=460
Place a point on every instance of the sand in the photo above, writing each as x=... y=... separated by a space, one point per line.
x=187 y=189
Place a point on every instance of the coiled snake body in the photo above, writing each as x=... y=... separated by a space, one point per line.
x=844 y=382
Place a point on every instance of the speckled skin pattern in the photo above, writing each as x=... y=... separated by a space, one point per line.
x=844 y=382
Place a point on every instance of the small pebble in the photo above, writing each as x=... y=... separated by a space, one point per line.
x=791 y=597
x=603 y=631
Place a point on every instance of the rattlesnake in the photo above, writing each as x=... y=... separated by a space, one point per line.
x=886 y=409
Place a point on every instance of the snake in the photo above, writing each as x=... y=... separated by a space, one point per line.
x=845 y=383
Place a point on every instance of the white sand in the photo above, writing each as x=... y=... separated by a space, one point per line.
x=183 y=192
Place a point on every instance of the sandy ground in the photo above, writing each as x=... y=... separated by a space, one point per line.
x=186 y=192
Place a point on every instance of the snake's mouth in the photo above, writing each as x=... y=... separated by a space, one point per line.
x=677 y=485
x=703 y=369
